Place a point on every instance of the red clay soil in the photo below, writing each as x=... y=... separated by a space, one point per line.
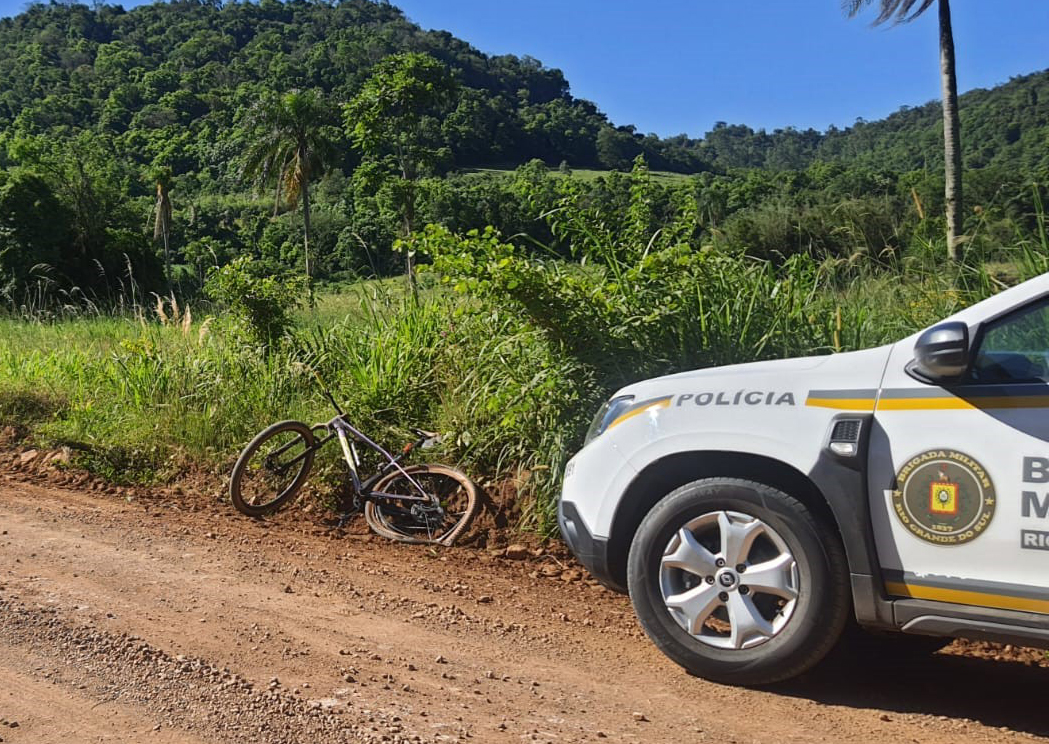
x=129 y=615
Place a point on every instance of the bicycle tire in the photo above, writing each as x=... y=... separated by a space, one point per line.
x=389 y=518
x=249 y=465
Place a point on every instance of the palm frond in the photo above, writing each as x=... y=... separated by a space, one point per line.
x=294 y=140
x=292 y=184
x=898 y=11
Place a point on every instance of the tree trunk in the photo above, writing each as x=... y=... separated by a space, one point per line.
x=162 y=228
x=952 y=146
x=409 y=225
x=305 y=186
x=167 y=258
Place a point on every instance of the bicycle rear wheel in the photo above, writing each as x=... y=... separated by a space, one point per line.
x=272 y=468
x=441 y=521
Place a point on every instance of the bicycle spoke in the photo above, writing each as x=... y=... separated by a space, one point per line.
x=443 y=512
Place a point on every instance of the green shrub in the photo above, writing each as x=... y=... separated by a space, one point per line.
x=638 y=312
x=262 y=303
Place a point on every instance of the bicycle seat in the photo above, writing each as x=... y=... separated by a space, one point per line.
x=425 y=434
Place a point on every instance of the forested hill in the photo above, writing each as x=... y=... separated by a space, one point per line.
x=166 y=81
x=163 y=85
x=1006 y=127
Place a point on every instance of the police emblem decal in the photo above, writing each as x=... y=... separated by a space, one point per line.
x=944 y=497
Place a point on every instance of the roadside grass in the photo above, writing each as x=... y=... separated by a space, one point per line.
x=141 y=400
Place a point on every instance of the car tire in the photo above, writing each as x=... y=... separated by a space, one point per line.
x=688 y=571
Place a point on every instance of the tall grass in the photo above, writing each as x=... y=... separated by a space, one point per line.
x=141 y=400
x=510 y=371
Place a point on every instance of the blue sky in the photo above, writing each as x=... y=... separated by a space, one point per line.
x=672 y=66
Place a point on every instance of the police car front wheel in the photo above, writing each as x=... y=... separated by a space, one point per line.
x=738 y=582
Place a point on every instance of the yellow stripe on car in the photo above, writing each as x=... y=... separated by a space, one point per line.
x=842 y=404
x=965 y=597
x=942 y=402
x=953 y=403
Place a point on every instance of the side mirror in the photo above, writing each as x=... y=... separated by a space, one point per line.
x=942 y=352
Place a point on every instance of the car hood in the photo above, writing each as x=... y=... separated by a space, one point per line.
x=856 y=369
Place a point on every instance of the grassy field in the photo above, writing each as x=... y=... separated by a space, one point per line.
x=141 y=400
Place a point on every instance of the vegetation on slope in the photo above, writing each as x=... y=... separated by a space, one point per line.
x=138 y=135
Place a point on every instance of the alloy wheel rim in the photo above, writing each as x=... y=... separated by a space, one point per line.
x=729 y=580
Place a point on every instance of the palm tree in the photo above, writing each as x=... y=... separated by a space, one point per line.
x=162 y=219
x=902 y=11
x=295 y=142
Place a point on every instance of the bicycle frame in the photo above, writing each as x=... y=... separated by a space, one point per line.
x=348 y=436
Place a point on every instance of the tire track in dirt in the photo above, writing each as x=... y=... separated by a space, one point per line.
x=180 y=693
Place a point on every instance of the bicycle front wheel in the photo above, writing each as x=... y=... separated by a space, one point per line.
x=272 y=468
x=441 y=521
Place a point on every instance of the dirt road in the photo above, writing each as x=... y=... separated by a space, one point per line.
x=126 y=618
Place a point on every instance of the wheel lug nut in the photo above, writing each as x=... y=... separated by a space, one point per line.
x=744 y=590
x=710 y=579
x=741 y=568
x=723 y=596
x=720 y=562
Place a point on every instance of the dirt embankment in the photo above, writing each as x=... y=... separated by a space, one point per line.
x=130 y=618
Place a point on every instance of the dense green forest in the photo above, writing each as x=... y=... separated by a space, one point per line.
x=109 y=117
x=1005 y=129
x=166 y=82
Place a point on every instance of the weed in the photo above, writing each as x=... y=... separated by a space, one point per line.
x=262 y=304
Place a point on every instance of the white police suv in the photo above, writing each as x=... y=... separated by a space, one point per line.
x=749 y=509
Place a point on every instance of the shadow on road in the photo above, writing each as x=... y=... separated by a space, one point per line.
x=995 y=693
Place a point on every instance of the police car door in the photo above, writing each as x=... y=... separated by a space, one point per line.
x=959 y=471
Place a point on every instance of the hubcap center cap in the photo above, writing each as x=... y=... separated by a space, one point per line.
x=727 y=579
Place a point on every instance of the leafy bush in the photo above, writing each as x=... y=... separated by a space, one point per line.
x=262 y=303
x=34 y=225
x=845 y=228
x=641 y=312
